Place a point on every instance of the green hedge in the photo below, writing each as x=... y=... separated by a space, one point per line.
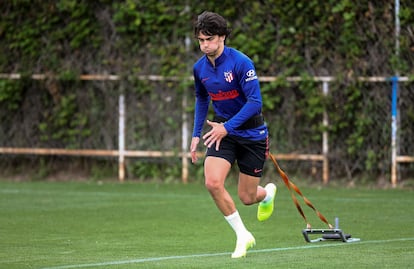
x=66 y=38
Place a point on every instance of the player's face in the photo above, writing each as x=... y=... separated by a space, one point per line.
x=211 y=45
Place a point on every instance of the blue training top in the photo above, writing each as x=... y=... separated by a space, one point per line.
x=234 y=89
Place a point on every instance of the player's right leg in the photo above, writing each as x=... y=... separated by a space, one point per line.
x=215 y=171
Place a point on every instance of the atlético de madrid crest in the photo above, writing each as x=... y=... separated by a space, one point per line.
x=228 y=76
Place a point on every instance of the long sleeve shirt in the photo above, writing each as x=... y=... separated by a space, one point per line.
x=234 y=90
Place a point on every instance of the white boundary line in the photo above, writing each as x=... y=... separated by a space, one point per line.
x=155 y=259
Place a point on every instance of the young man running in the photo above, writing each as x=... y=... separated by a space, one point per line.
x=228 y=79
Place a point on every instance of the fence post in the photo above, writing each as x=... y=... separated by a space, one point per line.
x=121 y=138
x=394 y=130
x=325 y=143
x=184 y=127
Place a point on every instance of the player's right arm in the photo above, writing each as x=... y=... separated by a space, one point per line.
x=200 y=114
x=193 y=149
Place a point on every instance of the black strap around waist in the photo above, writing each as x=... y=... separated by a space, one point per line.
x=253 y=122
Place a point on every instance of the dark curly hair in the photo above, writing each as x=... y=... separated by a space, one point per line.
x=210 y=23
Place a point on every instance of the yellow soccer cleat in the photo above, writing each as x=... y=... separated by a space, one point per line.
x=242 y=245
x=265 y=209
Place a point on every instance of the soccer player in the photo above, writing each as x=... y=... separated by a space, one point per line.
x=227 y=78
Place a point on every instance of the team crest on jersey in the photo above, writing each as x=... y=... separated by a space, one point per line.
x=228 y=76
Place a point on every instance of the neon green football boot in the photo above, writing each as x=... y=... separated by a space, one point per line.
x=265 y=209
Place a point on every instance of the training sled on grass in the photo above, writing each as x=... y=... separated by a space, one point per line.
x=328 y=234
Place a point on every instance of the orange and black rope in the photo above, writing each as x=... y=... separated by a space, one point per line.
x=292 y=189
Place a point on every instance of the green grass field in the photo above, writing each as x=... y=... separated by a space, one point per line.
x=60 y=225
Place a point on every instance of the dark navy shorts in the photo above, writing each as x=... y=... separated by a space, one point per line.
x=250 y=155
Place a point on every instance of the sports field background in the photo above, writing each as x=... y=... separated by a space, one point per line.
x=147 y=225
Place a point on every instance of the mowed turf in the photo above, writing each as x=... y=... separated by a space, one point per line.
x=146 y=225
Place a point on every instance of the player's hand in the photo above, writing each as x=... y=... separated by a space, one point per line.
x=215 y=135
x=193 y=149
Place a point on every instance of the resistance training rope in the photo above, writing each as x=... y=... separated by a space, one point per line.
x=292 y=189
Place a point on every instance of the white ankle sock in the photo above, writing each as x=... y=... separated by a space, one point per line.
x=236 y=223
x=269 y=193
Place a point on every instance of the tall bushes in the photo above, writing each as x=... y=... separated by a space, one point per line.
x=66 y=38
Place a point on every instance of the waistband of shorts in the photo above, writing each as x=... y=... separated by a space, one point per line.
x=253 y=122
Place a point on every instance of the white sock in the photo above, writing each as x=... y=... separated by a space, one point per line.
x=269 y=193
x=236 y=223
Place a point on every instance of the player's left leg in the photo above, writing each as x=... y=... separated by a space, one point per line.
x=251 y=159
x=249 y=190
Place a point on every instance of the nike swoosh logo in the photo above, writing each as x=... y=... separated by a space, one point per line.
x=256 y=171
